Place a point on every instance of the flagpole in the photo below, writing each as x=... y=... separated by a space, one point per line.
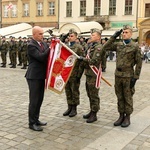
x=69 y=49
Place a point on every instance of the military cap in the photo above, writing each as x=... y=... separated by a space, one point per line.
x=24 y=37
x=3 y=37
x=72 y=31
x=19 y=37
x=125 y=27
x=96 y=30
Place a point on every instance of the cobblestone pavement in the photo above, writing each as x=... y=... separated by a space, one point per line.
x=65 y=133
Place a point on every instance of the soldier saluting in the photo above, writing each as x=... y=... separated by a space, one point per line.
x=128 y=68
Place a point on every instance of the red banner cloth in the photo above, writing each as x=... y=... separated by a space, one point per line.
x=60 y=64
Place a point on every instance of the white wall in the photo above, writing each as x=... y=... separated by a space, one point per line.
x=119 y=17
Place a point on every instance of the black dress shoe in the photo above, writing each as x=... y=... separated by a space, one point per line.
x=39 y=123
x=35 y=127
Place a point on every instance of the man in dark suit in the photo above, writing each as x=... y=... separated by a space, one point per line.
x=37 y=53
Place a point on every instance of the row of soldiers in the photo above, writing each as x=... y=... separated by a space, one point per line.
x=16 y=49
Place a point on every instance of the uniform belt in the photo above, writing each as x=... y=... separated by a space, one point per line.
x=124 y=69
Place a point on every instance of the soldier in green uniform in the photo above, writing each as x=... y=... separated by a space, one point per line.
x=19 y=51
x=128 y=68
x=72 y=86
x=93 y=57
x=104 y=60
x=10 y=49
x=4 y=49
x=23 y=51
x=14 y=47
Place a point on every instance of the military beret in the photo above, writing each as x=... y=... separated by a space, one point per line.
x=24 y=37
x=19 y=37
x=3 y=37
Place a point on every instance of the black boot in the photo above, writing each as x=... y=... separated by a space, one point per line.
x=87 y=115
x=4 y=66
x=24 y=67
x=73 y=111
x=126 y=121
x=67 y=112
x=13 y=66
x=92 y=117
x=120 y=120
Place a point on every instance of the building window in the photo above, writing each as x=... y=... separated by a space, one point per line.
x=128 y=7
x=14 y=11
x=5 y=11
x=51 y=8
x=112 y=7
x=97 y=7
x=39 y=9
x=68 y=9
x=82 y=7
x=147 y=10
x=25 y=10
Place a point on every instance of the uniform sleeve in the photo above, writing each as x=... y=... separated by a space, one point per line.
x=110 y=45
x=138 y=61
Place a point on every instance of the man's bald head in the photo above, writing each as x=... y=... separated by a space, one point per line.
x=37 y=33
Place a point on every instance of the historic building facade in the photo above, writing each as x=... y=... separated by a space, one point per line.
x=111 y=14
x=144 y=21
x=35 y=12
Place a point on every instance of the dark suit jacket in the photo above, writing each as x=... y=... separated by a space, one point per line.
x=37 y=60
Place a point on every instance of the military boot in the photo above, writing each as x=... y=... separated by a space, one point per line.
x=92 y=117
x=67 y=112
x=120 y=120
x=24 y=67
x=73 y=111
x=87 y=115
x=126 y=121
x=3 y=66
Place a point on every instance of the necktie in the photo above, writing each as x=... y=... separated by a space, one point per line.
x=42 y=47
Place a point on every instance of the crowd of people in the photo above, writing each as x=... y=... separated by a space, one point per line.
x=145 y=49
x=93 y=53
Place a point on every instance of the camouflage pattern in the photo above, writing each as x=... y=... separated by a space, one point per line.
x=125 y=103
x=4 y=49
x=14 y=47
x=128 y=65
x=127 y=57
x=19 y=51
x=96 y=54
x=72 y=86
x=23 y=53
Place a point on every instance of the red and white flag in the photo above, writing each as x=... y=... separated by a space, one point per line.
x=60 y=65
x=10 y=6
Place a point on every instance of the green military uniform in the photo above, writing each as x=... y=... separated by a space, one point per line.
x=19 y=51
x=95 y=54
x=72 y=86
x=23 y=51
x=4 y=49
x=128 y=57
x=14 y=47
